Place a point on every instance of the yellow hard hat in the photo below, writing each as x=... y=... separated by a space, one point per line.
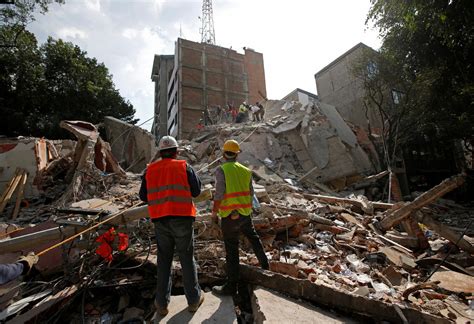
x=231 y=146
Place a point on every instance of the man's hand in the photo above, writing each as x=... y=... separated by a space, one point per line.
x=28 y=261
x=215 y=218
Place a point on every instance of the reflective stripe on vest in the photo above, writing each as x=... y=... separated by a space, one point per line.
x=237 y=190
x=168 y=190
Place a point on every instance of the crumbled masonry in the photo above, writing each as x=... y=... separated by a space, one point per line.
x=329 y=239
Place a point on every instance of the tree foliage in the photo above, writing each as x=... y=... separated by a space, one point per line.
x=17 y=15
x=42 y=85
x=431 y=42
x=389 y=96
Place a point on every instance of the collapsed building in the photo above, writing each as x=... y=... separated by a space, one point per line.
x=338 y=251
x=329 y=244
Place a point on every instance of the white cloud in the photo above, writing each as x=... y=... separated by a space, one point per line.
x=129 y=68
x=296 y=40
x=129 y=33
x=71 y=32
x=93 y=5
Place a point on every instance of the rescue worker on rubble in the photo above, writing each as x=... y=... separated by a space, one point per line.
x=233 y=205
x=11 y=271
x=242 y=116
x=168 y=187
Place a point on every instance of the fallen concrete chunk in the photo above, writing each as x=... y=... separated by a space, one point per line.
x=271 y=307
x=213 y=310
x=398 y=258
x=454 y=281
x=330 y=297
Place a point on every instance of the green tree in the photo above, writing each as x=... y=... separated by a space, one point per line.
x=17 y=15
x=432 y=44
x=40 y=86
x=389 y=96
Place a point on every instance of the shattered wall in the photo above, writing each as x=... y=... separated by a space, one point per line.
x=31 y=154
x=338 y=86
x=323 y=143
x=132 y=146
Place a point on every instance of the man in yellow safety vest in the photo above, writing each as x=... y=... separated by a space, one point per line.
x=233 y=205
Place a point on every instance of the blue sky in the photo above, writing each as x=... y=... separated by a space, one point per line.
x=297 y=38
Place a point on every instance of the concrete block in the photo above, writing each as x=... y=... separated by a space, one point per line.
x=271 y=307
x=214 y=309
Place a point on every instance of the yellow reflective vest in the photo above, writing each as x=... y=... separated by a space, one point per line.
x=237 y=190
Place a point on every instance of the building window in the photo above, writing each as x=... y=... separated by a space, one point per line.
x=397 y=96
x=372 y=69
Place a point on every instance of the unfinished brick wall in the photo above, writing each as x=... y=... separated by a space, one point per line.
x=215 y=76
x=256 y=75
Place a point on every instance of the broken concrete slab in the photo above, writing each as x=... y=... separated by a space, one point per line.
x=271 y=307
x=213 y=310
x=133 y=146
x=330 y=297
x=454 y=281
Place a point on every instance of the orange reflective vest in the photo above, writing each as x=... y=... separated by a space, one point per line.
x=168 y=190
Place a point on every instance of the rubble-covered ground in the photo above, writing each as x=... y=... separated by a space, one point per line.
x=315 y=222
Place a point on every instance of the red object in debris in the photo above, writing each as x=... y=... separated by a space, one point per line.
x=123 y=241
x=105 y=251
x=107 y=237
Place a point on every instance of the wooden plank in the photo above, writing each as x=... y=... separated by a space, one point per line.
x=11 y=191
x=19 y=196
x=395 y=217
x=9 y=185
x=446 y=232
x=335 y=200
x=339 y=300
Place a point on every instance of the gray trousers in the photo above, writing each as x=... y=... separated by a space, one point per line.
x=176 y=232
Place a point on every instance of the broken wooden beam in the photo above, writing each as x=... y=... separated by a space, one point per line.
x=357 y=203
x=446 y=232
x=20 y=194
x=11 y=189
x=394 y=217
x=332 y=298
x=82 y=211
x=368 y=181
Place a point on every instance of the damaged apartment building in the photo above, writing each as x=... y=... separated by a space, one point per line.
x=202 y=76
x=420 y=164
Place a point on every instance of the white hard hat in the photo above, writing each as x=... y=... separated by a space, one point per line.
x=167 y=142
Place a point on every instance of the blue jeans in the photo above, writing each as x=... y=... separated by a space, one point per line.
x=171 y=232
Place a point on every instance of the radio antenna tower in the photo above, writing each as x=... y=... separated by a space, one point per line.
x=207 y=30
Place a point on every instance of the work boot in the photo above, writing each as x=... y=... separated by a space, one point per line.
x=161 y=310
x=194 y=307
x=225 y=290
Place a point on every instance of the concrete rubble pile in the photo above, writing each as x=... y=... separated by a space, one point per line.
x=328 y=242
